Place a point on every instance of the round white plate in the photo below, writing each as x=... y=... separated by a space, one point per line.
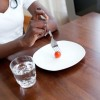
x=71 y=54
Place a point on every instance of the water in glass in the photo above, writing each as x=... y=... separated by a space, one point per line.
x=25 y=74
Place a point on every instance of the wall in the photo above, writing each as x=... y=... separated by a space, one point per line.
x=56 y=8
x=62 y=10
x=71 y=10
x=85 y=6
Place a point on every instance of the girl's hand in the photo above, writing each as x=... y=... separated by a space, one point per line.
x=37 y=28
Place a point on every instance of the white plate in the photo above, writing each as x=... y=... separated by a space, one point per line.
x=71 y=54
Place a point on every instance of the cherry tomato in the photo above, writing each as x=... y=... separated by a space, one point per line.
x=57 y=54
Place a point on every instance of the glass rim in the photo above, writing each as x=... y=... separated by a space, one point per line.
x=20 y=57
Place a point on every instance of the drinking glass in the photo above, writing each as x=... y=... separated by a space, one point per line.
x=23 y=69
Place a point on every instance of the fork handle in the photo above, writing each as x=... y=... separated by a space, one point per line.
x=42 y=17
x=50 y=33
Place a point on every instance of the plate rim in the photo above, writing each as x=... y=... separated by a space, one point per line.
x=63 y=67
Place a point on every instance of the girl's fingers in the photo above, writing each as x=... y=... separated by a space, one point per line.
x=39 y=12
x=38 y=31
x=38 y=24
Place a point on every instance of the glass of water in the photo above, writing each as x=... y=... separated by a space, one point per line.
x=23 y=69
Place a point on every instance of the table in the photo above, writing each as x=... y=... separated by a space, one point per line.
x=79 y=82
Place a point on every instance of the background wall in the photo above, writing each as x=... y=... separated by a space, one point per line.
x=85 y=6
x=62 y=10
x=71 y=10
x=56 y=8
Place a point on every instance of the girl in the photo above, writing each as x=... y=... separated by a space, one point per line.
x=12 y=38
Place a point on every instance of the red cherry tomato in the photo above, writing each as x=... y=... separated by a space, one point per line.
x=57 y=54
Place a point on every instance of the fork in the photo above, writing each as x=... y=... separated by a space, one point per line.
x=54 y=44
